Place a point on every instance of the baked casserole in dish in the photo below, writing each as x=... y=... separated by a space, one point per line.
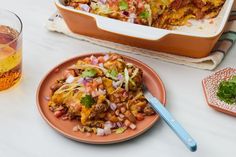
x=182 y=27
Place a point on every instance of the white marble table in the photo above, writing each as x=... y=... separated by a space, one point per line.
x=23 y=133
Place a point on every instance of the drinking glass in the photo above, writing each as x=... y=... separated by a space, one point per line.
x=10 y=49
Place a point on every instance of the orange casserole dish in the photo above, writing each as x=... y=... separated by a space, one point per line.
x=196 y=39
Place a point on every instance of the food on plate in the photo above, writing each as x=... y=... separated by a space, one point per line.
x=157 y=13
x=103 y=94
x=227 y=91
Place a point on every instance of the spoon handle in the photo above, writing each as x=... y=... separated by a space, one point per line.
x=174 y=125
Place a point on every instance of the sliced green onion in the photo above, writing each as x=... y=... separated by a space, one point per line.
x=126 y=73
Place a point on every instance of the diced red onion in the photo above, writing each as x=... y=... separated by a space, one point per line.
x=114 y=125
x=84 y=7
x=108 y=124
x=114 y=84
x=103 y=1
x=119 y=124
x=106 y=57
x=100 y=132
x=107 y=131
x=120 y=76
x=132 y=126
x=113 y=106
x=47 y=98
x=85 y=82
x=88 y=78
x=81 y=80
x=101 y=65
x=70 y=79
x=94 y=60
x=77 y=128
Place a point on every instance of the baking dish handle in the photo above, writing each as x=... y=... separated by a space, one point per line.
x=130 y=29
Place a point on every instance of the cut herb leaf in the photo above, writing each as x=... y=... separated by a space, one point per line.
x=144 y=15
x=120 y=130
x=87 y=101
x=227 y=91
x=123 y=5
x=113 y=73
x=89 y=73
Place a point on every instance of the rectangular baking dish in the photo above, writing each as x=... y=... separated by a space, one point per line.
x=194 y=41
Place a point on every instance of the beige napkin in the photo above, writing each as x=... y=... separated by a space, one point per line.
x=57 y=24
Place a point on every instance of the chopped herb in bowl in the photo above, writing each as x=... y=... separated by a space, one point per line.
x=227 y=91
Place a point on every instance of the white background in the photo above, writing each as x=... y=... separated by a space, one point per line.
x=23 y=133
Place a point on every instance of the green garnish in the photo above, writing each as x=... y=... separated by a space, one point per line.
x=89 y=73
x=123 y=5
x=227 y=91
x=113 y=73
x=120 y=130
x=87 y=101
x=132 y=82
x=144 y=15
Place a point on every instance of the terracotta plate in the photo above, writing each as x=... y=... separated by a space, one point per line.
x=210 y=86
x=151 y=79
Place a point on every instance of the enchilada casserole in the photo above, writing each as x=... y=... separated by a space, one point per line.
x=156 y=13
x=103 y=94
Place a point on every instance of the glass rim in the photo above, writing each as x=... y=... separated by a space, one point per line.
x=21 y=25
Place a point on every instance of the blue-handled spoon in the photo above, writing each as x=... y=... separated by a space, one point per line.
x=169 y=119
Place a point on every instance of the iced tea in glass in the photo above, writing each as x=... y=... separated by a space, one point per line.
x=10 y=49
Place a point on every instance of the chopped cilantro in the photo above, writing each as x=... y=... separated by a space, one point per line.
x=120 y=130
x=87 y=101
x=144 y=15
x=227 y=91
x=123 y=5
x=113 y=73
x=89 y=73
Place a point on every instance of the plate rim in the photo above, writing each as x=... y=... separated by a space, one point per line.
x=60 y=131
